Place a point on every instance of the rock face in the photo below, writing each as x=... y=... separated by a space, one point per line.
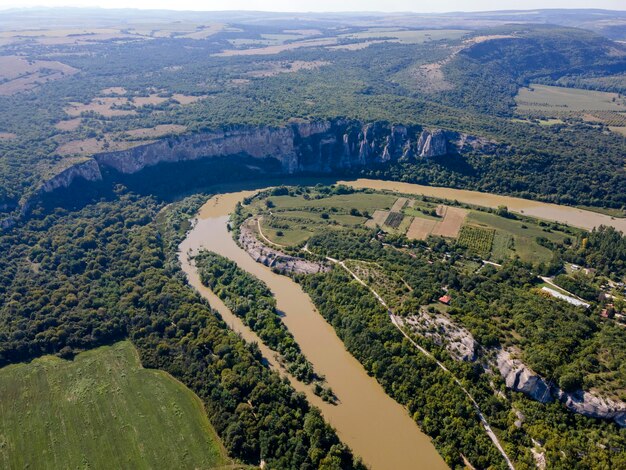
x=432 y=143
x=319 y=146
x=520 y=378
x=274 y=258
x=88 y=170
x=591 y=405
x=457 y=340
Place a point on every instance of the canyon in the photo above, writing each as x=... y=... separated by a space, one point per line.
x=322 y=146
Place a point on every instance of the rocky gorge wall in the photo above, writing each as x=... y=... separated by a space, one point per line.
x=316 y=146
x=462 y=346
x=321 y=146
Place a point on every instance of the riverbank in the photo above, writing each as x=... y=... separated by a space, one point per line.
x=375 y=426
x=542 y=210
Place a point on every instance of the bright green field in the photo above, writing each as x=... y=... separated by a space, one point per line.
x=297 y=225
x=511 y=238
x=102 y=410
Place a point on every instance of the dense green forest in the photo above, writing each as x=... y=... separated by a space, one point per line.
x=572 y=347
x=603 y=249
x=249 y=298
x=96 y=263
x=367 y=83
x=75 y=280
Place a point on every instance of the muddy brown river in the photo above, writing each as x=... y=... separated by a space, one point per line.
x=377 y=428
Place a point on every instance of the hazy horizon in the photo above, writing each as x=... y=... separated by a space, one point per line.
x=322 y=6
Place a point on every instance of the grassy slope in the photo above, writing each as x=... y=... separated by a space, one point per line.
x=102 y=410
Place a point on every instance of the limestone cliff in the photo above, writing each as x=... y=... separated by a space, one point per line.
x=318 y=146
x=520 y=378
x=88 y=170
x=594 y=406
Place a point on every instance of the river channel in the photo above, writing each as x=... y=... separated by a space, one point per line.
x=377 y=428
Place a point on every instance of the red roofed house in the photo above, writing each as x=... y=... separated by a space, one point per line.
x=445 y=299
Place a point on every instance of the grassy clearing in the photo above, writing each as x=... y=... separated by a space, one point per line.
x=360 y=201
x=388 y=285
x=416 y=212
x=102 y=410
x=290 y=228
x=515 y=238
x=552 y=98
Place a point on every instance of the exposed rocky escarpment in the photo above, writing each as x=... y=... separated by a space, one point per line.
x=457 y=340
x=274 y=258
x=517 y=376
x=88 y=170
x=520 y=378
x=318 y=146
x=588 y=404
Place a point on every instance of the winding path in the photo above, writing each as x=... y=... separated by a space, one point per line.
x=397 y=323
x=375 y=426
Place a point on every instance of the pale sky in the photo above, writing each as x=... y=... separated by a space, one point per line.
x=326 y=5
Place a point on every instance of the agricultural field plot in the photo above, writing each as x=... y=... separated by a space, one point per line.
x=68 y=124
x=611 y=118
x=105 y=106
x=394 y=219
x=591 y=106
x=378 y=219
x=453 y=218
x=277 y=49
x=291 y=220
x=115 y=104
x=447 y=225
x=292 y=236
x=102 y=410
x=477 y=239
x=344 y=202
x=70 y=36
x=400 y=204
x=515 y=238
x=425 y=210
x=293 y=227
x=393 y=222
x=421 y=228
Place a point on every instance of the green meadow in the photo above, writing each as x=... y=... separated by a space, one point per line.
x=102 y=410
